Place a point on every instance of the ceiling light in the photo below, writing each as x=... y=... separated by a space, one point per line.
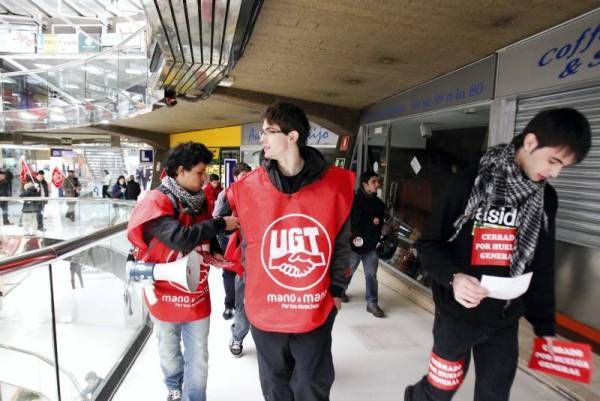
x=71 y=86
x=42 y=66
x=227 y=81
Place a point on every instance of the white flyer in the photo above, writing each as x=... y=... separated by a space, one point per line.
x=506 y=287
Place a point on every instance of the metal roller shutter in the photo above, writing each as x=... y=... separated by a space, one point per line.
x=578 y=187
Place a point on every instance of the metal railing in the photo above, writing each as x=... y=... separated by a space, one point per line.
x=65 y=330
x=105 y=86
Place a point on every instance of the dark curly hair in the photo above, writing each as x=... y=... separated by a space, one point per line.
x=188 y=155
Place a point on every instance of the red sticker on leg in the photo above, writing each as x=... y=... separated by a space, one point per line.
x=445 y=375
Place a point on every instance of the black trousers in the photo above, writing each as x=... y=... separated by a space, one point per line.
x=105 y=191
x=495 y=355
x=229 y=285
x=4 y=207
x=295 y=367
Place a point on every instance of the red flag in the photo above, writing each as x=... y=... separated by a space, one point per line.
x=25 y=171
x=570 y=360
x=57 y=177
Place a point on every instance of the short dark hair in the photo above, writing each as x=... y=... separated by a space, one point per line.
x=240 y=168
x=41 y=172
x=564 y=127
x=214 y=177
x=290 y=118
x=188 y=155
x=366 y=176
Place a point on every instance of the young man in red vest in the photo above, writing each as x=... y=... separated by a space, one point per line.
x=496 y=219
x=172 y=221
x=294 y=216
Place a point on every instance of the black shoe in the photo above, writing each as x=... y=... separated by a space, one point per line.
x=236 y=347
x=7 y=223
x=375 y=310
x=408 y=393
x=345 y=298
x=228 y=313
x=174 y=395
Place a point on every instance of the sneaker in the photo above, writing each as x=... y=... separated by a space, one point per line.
x=345 y=298
x=375 y=310
x=408 y=393
x=174 y=395
x=228 y=313
x=236 y=347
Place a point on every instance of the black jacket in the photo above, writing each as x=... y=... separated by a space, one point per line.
x=441 y=259
x=170 y=231
x=30 y=191
x=133 y=190
x=366 y=210
x=5 y=188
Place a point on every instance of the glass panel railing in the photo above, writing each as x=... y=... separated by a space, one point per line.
x=108 y=85
x=33 y=224
x=69 y=327
x=26 y=338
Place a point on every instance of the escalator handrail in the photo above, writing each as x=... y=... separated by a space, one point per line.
x=39 y=256
x=76 y=62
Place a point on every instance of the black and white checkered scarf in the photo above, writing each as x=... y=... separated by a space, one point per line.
x=196 y=202
x=500 y=182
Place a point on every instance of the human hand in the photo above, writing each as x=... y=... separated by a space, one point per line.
x=467 y=290
x=231 y=223
x=218 y=257
x=337 y=302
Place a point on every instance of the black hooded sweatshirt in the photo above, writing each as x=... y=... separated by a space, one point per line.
x=442 y=259
x=314 y=168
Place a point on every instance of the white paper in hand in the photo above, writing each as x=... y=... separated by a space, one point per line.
x=506 y=287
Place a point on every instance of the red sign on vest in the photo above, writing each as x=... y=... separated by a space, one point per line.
x=572 y=361
x=444 y=374
x=295 y=251
x=493 y=246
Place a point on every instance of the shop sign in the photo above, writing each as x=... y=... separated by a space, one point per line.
x=146 y=156
x=61 y=43
x=318 y=136
x=470 y=84
x=216 y=153
x=564 y=55
x=89 y=43
x=345 y=143
x=66 y=141
x=17 y=42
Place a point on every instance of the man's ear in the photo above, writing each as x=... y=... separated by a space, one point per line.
x=530 y=142
x=293 y=136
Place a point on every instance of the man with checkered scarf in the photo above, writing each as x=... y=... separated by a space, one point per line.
x=496 y=219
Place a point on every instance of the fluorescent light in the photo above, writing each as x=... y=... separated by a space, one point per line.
x=71 y=86
x=43 y=66
x=134 y=71
x=226 y=82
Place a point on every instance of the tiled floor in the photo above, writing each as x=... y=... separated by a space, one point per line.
x=374 y=358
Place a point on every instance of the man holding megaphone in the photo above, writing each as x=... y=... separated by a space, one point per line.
x=170 y=229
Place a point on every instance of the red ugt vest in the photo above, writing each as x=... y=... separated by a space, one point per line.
x=167 y=301
x=289 y=245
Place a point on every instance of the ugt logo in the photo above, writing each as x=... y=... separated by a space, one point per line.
x=295 y=251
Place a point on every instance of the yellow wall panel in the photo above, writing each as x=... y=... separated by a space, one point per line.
x=227 y=137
